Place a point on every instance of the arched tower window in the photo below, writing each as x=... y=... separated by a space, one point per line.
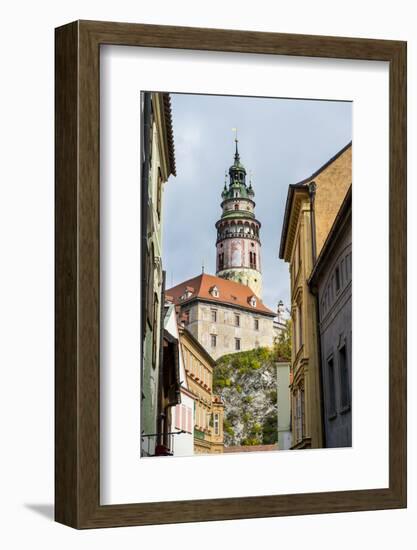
x=236 y=207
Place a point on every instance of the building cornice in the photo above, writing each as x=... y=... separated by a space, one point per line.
x=227 y=305
x=297 y=193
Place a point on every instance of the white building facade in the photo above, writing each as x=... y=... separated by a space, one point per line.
x=182 y=424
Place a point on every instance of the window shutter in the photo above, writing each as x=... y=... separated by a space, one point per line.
x=178 y=417
x=189 y=420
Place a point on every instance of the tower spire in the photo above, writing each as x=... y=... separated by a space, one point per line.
x=238 y=243
x=237 y=158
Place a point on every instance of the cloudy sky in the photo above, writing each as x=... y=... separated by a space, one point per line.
x=282 y=141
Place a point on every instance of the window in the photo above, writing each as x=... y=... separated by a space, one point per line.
x=299 y=414
x=159 y=194
x=155 y=331
x=344 y=378
x=297 y=255
x=300 y=325
x=337 y=279
x=213 y=338
x=214 y=291
x=186 y=317
x=237 y=320
x=237 y=344
x=150 y=275
x=256 y=324
x=331 y=401
x=214 y=315
x=216 y=424
x=236 y=207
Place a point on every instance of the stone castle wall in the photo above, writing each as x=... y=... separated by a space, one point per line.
x=225 y=329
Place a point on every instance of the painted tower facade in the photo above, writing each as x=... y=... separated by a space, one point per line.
x=238 y=244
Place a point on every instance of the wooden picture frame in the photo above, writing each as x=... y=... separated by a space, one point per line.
x=77 y=372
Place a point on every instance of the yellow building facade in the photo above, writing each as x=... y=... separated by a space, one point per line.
x=311 y=208
x=208 y=408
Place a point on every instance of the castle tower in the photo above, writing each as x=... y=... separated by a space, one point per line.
x=238 y=245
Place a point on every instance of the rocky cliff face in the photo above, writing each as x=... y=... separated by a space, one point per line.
x=247 y=384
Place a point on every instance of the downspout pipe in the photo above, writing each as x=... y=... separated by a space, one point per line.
x=312 y=194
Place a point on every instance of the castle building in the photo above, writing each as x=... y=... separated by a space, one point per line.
x=224 y=316
x=311 y=209
x=238 y=242
x=225 y=312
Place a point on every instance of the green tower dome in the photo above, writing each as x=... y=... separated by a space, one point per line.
x=237 y=176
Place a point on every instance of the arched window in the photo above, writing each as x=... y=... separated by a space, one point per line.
x=236 y=207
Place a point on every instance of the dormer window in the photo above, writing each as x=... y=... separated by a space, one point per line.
x=214 y=291
x=187 y=294
x=252 y=301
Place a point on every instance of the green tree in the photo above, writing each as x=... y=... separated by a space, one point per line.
x=282 y=347
x=270 y=430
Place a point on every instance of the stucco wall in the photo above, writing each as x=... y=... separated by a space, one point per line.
x=335 y=308
x=150 y=371
x=202 y=327
x=332 y=185
x=236 y=265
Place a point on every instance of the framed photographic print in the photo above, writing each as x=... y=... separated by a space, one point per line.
x=230 y=274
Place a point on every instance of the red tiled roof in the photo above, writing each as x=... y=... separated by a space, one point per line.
x=230 y=293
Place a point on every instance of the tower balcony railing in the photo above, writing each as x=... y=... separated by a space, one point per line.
x=236 y=235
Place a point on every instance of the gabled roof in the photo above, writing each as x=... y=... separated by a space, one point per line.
x=302 y=186
x=183 y=331
x=229 y=293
